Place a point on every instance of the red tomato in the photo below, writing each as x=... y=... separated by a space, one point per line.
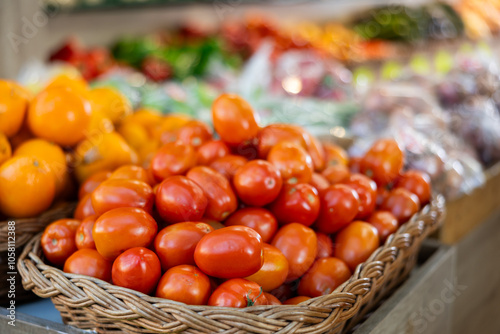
x=273 y=134
x=402 y=204
x=88 y=262
x=271 y=300
x=83 y=236
x=273 y=272
x=186 y=284
x=221 y=198
x=316 y=151
x=58 y=240
x=383 y=161
x=293 y=162
x=355 y=164
x=211 y=151
x=93 y=182
x=234 y=251
x=297 y=203
x=238 y=292
x=179 y=199
x=172 y=159
x=416 y=182
x=336 y=173
x=234 y=119
x=120 y=229
x=228 y=165
x=112 y=194
x=385 y=223
x=382 y=194
x=299 y=245
x=175 y=244
x=367 y=192
x=194 y=133
x=325 y=246
x=259 y=219
x=257 y=183
x=335 y=155
x=319 y=182
x=138 y=269
x=355 y=243
x=133 y=173
x=339 y=204
x=84 y=208
x=296 y=300
x=324 y=277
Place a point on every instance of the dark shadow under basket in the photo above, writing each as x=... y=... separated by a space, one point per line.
x=25 y=229
x=90 y=303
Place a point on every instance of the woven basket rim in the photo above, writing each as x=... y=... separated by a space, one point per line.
x=341 y=304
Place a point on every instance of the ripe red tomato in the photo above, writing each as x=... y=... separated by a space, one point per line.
x=259 y=219
x=355 y=164
x=273 y=272
x=179 y=199
x=383 y=161
x=84 y=208
x=299 y=245
x=132 y=172
x=186 y=284
x=335 y=155
x=221 y=198
x=293 y=162
x=315 y=149
x=234 y=251
x=355 y=243
x=336 y=173
x=137 y=268
x=325 y=275
x=298 y=203
x=211 y=151
x=382 y=194
x=58 y=240
x=116 y=193
x=175 y=244
x=416 y=182
x=120 y=229
x=228 y=165
x=367 y=192
x=88 y=262
x=273 y=134
x=271 y=300
x=234 y=119
x=194 y=133
x=325 y=246
x=385 y=223
x=83 y=236
x=402 y=204
x=257 y=183
x=296 y=300
x=238 y=292
x=93 y=182
x=172 y=159
x=339 y=204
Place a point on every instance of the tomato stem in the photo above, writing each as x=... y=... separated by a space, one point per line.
x=251 y=302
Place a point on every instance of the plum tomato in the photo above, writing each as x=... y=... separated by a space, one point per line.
x=385 y=223
x=299 y=244
x=234 y=119
x=117 y=193
x=228 y=165
x=137 y=268
x=339 y=204
x=83 y=236
x=234 y=251
x=185 y=284
x=221 y=198
x=172 y=159
x=238 y=292
x=271 y=135
x=123 y=228
x=355 y=243
x=259 y=219
x=315 y=149
x=194 y=133
x=179 y=199
x=296 y=300
x=257 y=183
x=367 y=192
x=271 y=300
x=175 y=244
x=296 y=203
x=416 y=182
x=293 y=162
x=335 y=155
x=402 y=204
x=132 y=172
x=325 y=275
x=58 y=240
x=319 y=182
x=383 y=161
x=93 y=182
x=88 y=262
x=336 y=173
x=273 y=272
x=325 y=246
x=84 y=208
x=211 y=151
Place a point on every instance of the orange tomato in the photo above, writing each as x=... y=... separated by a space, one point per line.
x=84 y=208
x=325 y=275
x=83 y=236
x=93 y=182
x=173 y=159
x=271 y=300
x=110 y=102
x=58 y=240
x=60 y=115
x=88 y=262
x=336 y=173
x=335 y=155
x=355 y=243
x=293 y=162
x=5 y=149
x=131 y=172
x=186 y=284
x=27 y=187
x=273 y=272
x=14 y=101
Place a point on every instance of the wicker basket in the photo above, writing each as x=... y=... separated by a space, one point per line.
x=26 y=228
x=90 y=303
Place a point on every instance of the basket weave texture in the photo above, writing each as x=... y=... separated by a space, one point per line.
x=90 y=303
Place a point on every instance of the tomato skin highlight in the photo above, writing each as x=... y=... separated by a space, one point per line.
x=367 y=193
x=186 y=284
x=211 y=151
x=325 y=246
x=238 y=292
